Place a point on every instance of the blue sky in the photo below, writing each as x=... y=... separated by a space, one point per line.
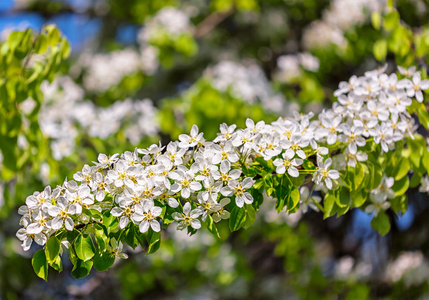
x=76 y=27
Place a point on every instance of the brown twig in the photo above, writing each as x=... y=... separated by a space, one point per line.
x=210 y=22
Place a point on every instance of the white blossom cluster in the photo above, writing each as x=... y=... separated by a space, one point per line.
x=168 y=20
x=118 y=64
x=411 y=266
x=376 y=107
x=198 y=178
x=246 y=82
x=290 y=65
x=340 y=16
x=64 y=112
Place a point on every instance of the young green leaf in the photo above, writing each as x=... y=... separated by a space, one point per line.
x=381 y=223
x=103 y=261
x=237 y=218
x=81 y=268
x=84 y=247
x=52 y=248
x=40 y=264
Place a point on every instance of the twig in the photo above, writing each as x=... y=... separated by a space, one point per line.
x=210 y=22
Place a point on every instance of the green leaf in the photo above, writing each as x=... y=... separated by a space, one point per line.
x=57 y=264
x=399 y=204
x=81 y=268
x=292 y=199
x=359 y=198
x=100 y=236
x=401 y=186
x=343 y=200
x=53 y=34
x=380 y=50
x=375 y=176
x=328 y=204
x=423 y=116
x=237 y=218
x=401 y=169
x=359 y=176
x=65 y=49
x=376 y=20
x=84 y=247
x=258 y=198
x=211 y=226
x=282 y=192
x=40 y=264
x=103 y=261
x=14 y=39
x=109 y=221
x=381 y=223
x=391 y=20
x=41 y=44
x=131 y=236
x=425 y=160
x=250 y=216
x=154 y=241
x=52 y=248
x=415 y=180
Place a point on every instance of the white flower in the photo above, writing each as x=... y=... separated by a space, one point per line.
x=384 y=191
x=174 y=154
x=124 y=211
x=424 y=184
x=82 y=197
x=188 y=217
x=352 y=136
x=238 y=189
x=212 y=188
x=415 y=87
x=184 y=182
x=407 y=72
x=147 y=216
x=345 y=87
x=85 y=176
x=383 y=135
x=122 y=174
x=225 y=152
x=331 y=128
x=288 y=164
x=308 y=200
x=323 y=173
x=105 y=161
x=61 y=215
x=221 y=213
x=226 y=133
x=191 y=140
x=226 y=174
x=99 y=186
x=352 y=159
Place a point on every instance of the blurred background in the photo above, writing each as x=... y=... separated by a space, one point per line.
x=143 y=71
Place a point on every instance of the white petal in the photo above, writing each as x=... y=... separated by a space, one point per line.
x=116 y=211
x=144 y=226
x=154 y=224
x=293 y=172
x=172 y=202
x=195 y=224
x=123 y=222
x=69 y=224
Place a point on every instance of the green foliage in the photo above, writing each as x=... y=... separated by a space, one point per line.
x=27 y=59
x=215 y=108
x=40 y=264
x=96 y=243
x=381 y=223
x=237 y=218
